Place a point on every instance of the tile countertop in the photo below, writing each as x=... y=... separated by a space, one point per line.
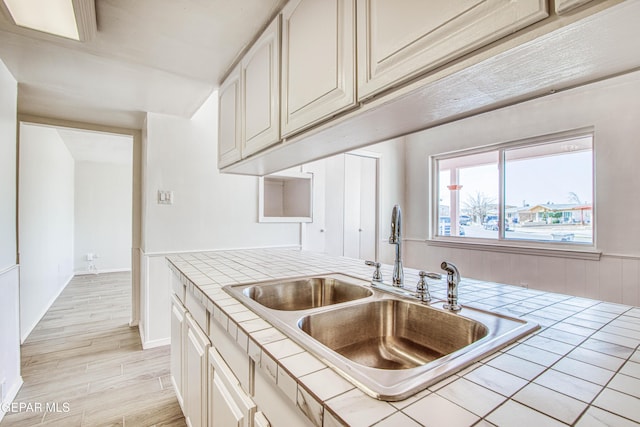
x=581 y=368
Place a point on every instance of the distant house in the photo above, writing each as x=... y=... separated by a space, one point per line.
x=556 y=214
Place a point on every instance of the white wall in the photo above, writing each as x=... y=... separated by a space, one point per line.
x=611 y=107
x=46 y=200
x=210 y=210
x=10 y=379
x=102 y=216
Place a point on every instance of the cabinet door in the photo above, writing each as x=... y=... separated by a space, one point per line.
x=195 y=374
x=177 y=345
x=318 y=61
x=229 y=125
x=399 y=39
x=229 y=406
x=261 y=92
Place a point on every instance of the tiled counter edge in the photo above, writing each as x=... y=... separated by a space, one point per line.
x=583 y=365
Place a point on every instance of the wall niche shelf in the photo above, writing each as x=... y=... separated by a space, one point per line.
x=285 y=197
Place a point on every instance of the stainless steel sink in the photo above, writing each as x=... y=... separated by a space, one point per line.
x=391 y=333
x=305 y=293
x=388 y=345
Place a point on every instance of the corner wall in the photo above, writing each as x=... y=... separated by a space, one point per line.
x=210 y=210
x=10 y=379
x=46 y=197
x=611 y=108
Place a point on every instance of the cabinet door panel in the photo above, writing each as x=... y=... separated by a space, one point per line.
x=177 y=344
x=261 y=92
x=318 y=61
x=230 y=406
x=195 y=371
x=229 y=100
x=398 y=39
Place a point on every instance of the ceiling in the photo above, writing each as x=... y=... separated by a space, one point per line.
x=161 y=56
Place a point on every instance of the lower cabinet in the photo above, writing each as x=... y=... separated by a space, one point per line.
x=229 y=405
x=217 y=383
x=178 y=327
x=195 y=374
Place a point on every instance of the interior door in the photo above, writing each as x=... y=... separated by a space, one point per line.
x=360 y=206
x=368 y=207
x=352 y=202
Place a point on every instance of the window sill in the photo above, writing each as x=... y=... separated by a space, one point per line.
x=557 y=250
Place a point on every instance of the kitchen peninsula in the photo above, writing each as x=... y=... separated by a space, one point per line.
x=582 y=367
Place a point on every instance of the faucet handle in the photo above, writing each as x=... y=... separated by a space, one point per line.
x=422 y=287
x=377 y=275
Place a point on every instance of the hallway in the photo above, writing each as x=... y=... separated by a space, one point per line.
x=84 y=366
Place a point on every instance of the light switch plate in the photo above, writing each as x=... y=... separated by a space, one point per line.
x=165 y=197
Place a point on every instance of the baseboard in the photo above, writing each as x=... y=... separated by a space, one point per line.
x=10 y=397
x=109 y=270
x=23 y=337
x=152 y=343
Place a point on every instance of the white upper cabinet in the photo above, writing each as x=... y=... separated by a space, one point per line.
x=564 y=6
x=260 y=89
x=399 y=39
x=229 y=114
x=318 y=61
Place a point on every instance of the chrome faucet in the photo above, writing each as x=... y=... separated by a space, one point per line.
x=453 y=279
x=396 y=239
x=377 y=276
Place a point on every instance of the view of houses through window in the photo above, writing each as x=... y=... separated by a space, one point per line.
x=537 y=191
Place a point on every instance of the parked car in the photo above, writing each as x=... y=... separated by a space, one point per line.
x=465 y=220
x=444 y=227
x=493 y=225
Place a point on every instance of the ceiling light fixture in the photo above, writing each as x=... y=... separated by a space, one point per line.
x=73 y=19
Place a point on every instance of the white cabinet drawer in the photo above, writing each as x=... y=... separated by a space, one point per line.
x=235 y=356
x=197 y=311
x=177 y=287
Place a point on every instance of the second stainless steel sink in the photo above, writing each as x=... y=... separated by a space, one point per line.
x=391 y=333
x=388 y=345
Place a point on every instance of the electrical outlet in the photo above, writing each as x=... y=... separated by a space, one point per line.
x=165 y=197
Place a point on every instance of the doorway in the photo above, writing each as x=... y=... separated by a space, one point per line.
x=77 y=191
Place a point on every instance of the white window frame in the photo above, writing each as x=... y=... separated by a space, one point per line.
x=545 y=248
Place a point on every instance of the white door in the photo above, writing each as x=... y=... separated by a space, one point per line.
x=360 y=206
x=368 y=207
x=313 y=238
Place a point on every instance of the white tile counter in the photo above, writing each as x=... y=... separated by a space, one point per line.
x=581 y=368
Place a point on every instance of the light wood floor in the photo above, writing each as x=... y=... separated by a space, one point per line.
x=84 y=354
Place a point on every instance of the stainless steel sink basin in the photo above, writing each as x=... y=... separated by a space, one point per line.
x=390 y=346
x=391 y=333
x=305 y=293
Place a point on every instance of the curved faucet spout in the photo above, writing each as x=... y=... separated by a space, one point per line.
x=396 y=239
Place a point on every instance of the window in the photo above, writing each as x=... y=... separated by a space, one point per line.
x=539 y=190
